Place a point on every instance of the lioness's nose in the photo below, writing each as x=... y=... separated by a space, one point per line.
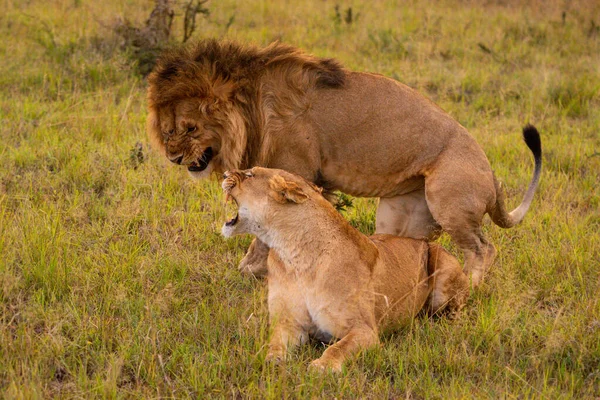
x=177 y=160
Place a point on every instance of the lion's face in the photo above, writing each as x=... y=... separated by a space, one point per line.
x=264 y=196
x=196 y=133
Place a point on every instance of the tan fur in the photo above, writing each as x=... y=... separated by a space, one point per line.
x=328 y=280
x=360 y=133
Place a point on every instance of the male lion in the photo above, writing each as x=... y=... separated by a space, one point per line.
x=326 y=279
x=216 y=106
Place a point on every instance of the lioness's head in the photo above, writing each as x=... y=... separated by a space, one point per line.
x=264 y=197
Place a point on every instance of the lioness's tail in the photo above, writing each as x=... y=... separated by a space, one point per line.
x=499 y=215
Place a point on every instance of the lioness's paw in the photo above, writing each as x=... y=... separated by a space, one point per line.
x=275 y=357
x=322 y=365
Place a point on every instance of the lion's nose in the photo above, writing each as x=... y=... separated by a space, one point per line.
x=177 y=160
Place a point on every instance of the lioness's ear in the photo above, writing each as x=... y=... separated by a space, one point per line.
x=317 y=188
x=283 y=191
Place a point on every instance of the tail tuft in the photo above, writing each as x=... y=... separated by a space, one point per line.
x=533 y=141
x=498 y=213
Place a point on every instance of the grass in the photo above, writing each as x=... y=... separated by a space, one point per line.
x=114 y=281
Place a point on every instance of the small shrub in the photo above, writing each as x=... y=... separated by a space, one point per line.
x=147 y=42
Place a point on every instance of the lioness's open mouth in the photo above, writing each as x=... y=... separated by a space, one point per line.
x=230 y=181
x=230 y=200
x=202 y=162
x=232 y=221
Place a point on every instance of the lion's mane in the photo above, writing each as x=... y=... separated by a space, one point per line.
x=258 y=83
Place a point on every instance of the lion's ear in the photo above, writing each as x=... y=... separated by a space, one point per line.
x=284 y=191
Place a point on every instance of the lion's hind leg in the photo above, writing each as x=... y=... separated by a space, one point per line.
x=458 y=196
x=407 y=215
x=450 y=286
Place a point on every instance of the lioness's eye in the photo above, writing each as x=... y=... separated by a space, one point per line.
x=191 y=129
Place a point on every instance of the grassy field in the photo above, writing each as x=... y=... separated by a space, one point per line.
x=114 y=280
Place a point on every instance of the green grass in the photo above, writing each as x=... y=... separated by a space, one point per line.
x=114 y=281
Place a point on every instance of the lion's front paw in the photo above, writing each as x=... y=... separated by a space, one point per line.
x=255 y=261
x=323 y=365
x=253 y=266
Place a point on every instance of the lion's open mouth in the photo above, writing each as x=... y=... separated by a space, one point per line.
x=202 y=162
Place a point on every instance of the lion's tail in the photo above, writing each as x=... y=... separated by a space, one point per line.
x=498 y=213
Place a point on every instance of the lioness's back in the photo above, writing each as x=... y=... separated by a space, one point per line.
x=400 y=277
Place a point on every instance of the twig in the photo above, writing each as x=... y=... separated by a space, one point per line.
x=523 y=380
x=162 y=366
x=192 y=8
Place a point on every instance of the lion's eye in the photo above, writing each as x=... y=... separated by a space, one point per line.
x=191 y=129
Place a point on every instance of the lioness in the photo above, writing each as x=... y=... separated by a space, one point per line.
x=216 y=106
x=328 y=280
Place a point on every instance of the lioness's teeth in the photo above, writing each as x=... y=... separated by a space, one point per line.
x=227 y=197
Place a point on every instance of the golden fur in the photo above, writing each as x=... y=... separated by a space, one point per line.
x=328 y=280
x=219 y=105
